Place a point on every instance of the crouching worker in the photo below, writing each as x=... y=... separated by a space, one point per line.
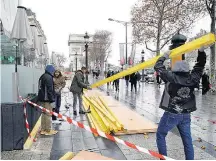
x=46 y=96
x=178 y=100
x=76 y=88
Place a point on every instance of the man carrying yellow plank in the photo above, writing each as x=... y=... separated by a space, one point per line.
x=178 y=100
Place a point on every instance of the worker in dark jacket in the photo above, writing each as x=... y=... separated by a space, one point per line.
x=46 y=96
x=127 y=77
x=76 y=88
x=205 y=84
x=178 y=100
x=133 y=81
x=116 y=82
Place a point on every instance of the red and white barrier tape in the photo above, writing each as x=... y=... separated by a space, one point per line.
x=26 y=121
x=98 y=132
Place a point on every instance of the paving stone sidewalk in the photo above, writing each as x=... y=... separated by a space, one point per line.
x=74 y=139
x=71 y=138
x=40 y=150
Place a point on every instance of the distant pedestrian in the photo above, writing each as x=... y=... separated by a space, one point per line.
x=178 y=100
x=205 y=83
x=127 y=78
x=59 y=84
x=133 y=81
x=116 y=82
x=76 y=88
x=138 y=76
x=158 y=79
x=109 y=74
x=46 y=96
x=113 y=83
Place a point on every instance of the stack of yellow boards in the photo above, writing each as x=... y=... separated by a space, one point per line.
x=109 y=115
x=101 y=117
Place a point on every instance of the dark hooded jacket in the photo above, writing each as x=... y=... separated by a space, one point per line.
x=178 y=96
x=78 y=84
x=133 y=78
x=46 y=92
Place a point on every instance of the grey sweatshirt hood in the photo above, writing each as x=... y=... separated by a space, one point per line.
x=181 y=66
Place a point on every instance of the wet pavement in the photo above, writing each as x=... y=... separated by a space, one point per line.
x=74 y=139
x=146 y=102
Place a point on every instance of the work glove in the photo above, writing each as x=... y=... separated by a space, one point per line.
x=167 y=54
x=89 y=88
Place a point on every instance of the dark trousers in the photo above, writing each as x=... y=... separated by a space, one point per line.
x=167 y=123
x=57 y=105
x=158 y=79
x=116 y=82
x=134 y=84
x=127 y=82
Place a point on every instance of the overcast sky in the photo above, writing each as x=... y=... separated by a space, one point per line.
x=59 y=18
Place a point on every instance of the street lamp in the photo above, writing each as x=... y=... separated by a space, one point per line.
x=86 y=37
x=125 y=24
x=76 y=60
x=142 y=54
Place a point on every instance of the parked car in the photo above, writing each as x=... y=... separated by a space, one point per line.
x=148 y=75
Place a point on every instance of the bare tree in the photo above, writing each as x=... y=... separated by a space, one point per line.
x=101 y=46
x=158 y=20
x=61 y=59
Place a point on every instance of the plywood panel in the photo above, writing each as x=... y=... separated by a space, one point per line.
x=85 y=155
x=132 y=122
x=111 y=102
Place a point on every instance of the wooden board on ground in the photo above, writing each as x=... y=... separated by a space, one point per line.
x=132 y=122
x=94 y=92
x=85 y=155
x=110 y=101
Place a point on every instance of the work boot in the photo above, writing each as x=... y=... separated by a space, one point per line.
x=75 y=113
x=42 y=132
x=51 y=132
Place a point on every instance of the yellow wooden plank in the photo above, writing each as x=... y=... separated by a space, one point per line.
x=110 y=111
x=67 y=156
x=34 y=132
x=114 y=124
x=96 y=117
x=188 y=47
x=105 y=113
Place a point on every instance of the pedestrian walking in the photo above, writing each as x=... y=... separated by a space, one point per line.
x=205 y=83
x=46 y=96
x=113 y=83
x=133 y=81
x=116 y=82
x=127 y=78
x=76 y=88
x=178 y=100
x=59 y=84
x=138 y=76
x=158 y=79
x=109 y=74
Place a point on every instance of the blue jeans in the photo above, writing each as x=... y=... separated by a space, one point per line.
x=167 y=123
